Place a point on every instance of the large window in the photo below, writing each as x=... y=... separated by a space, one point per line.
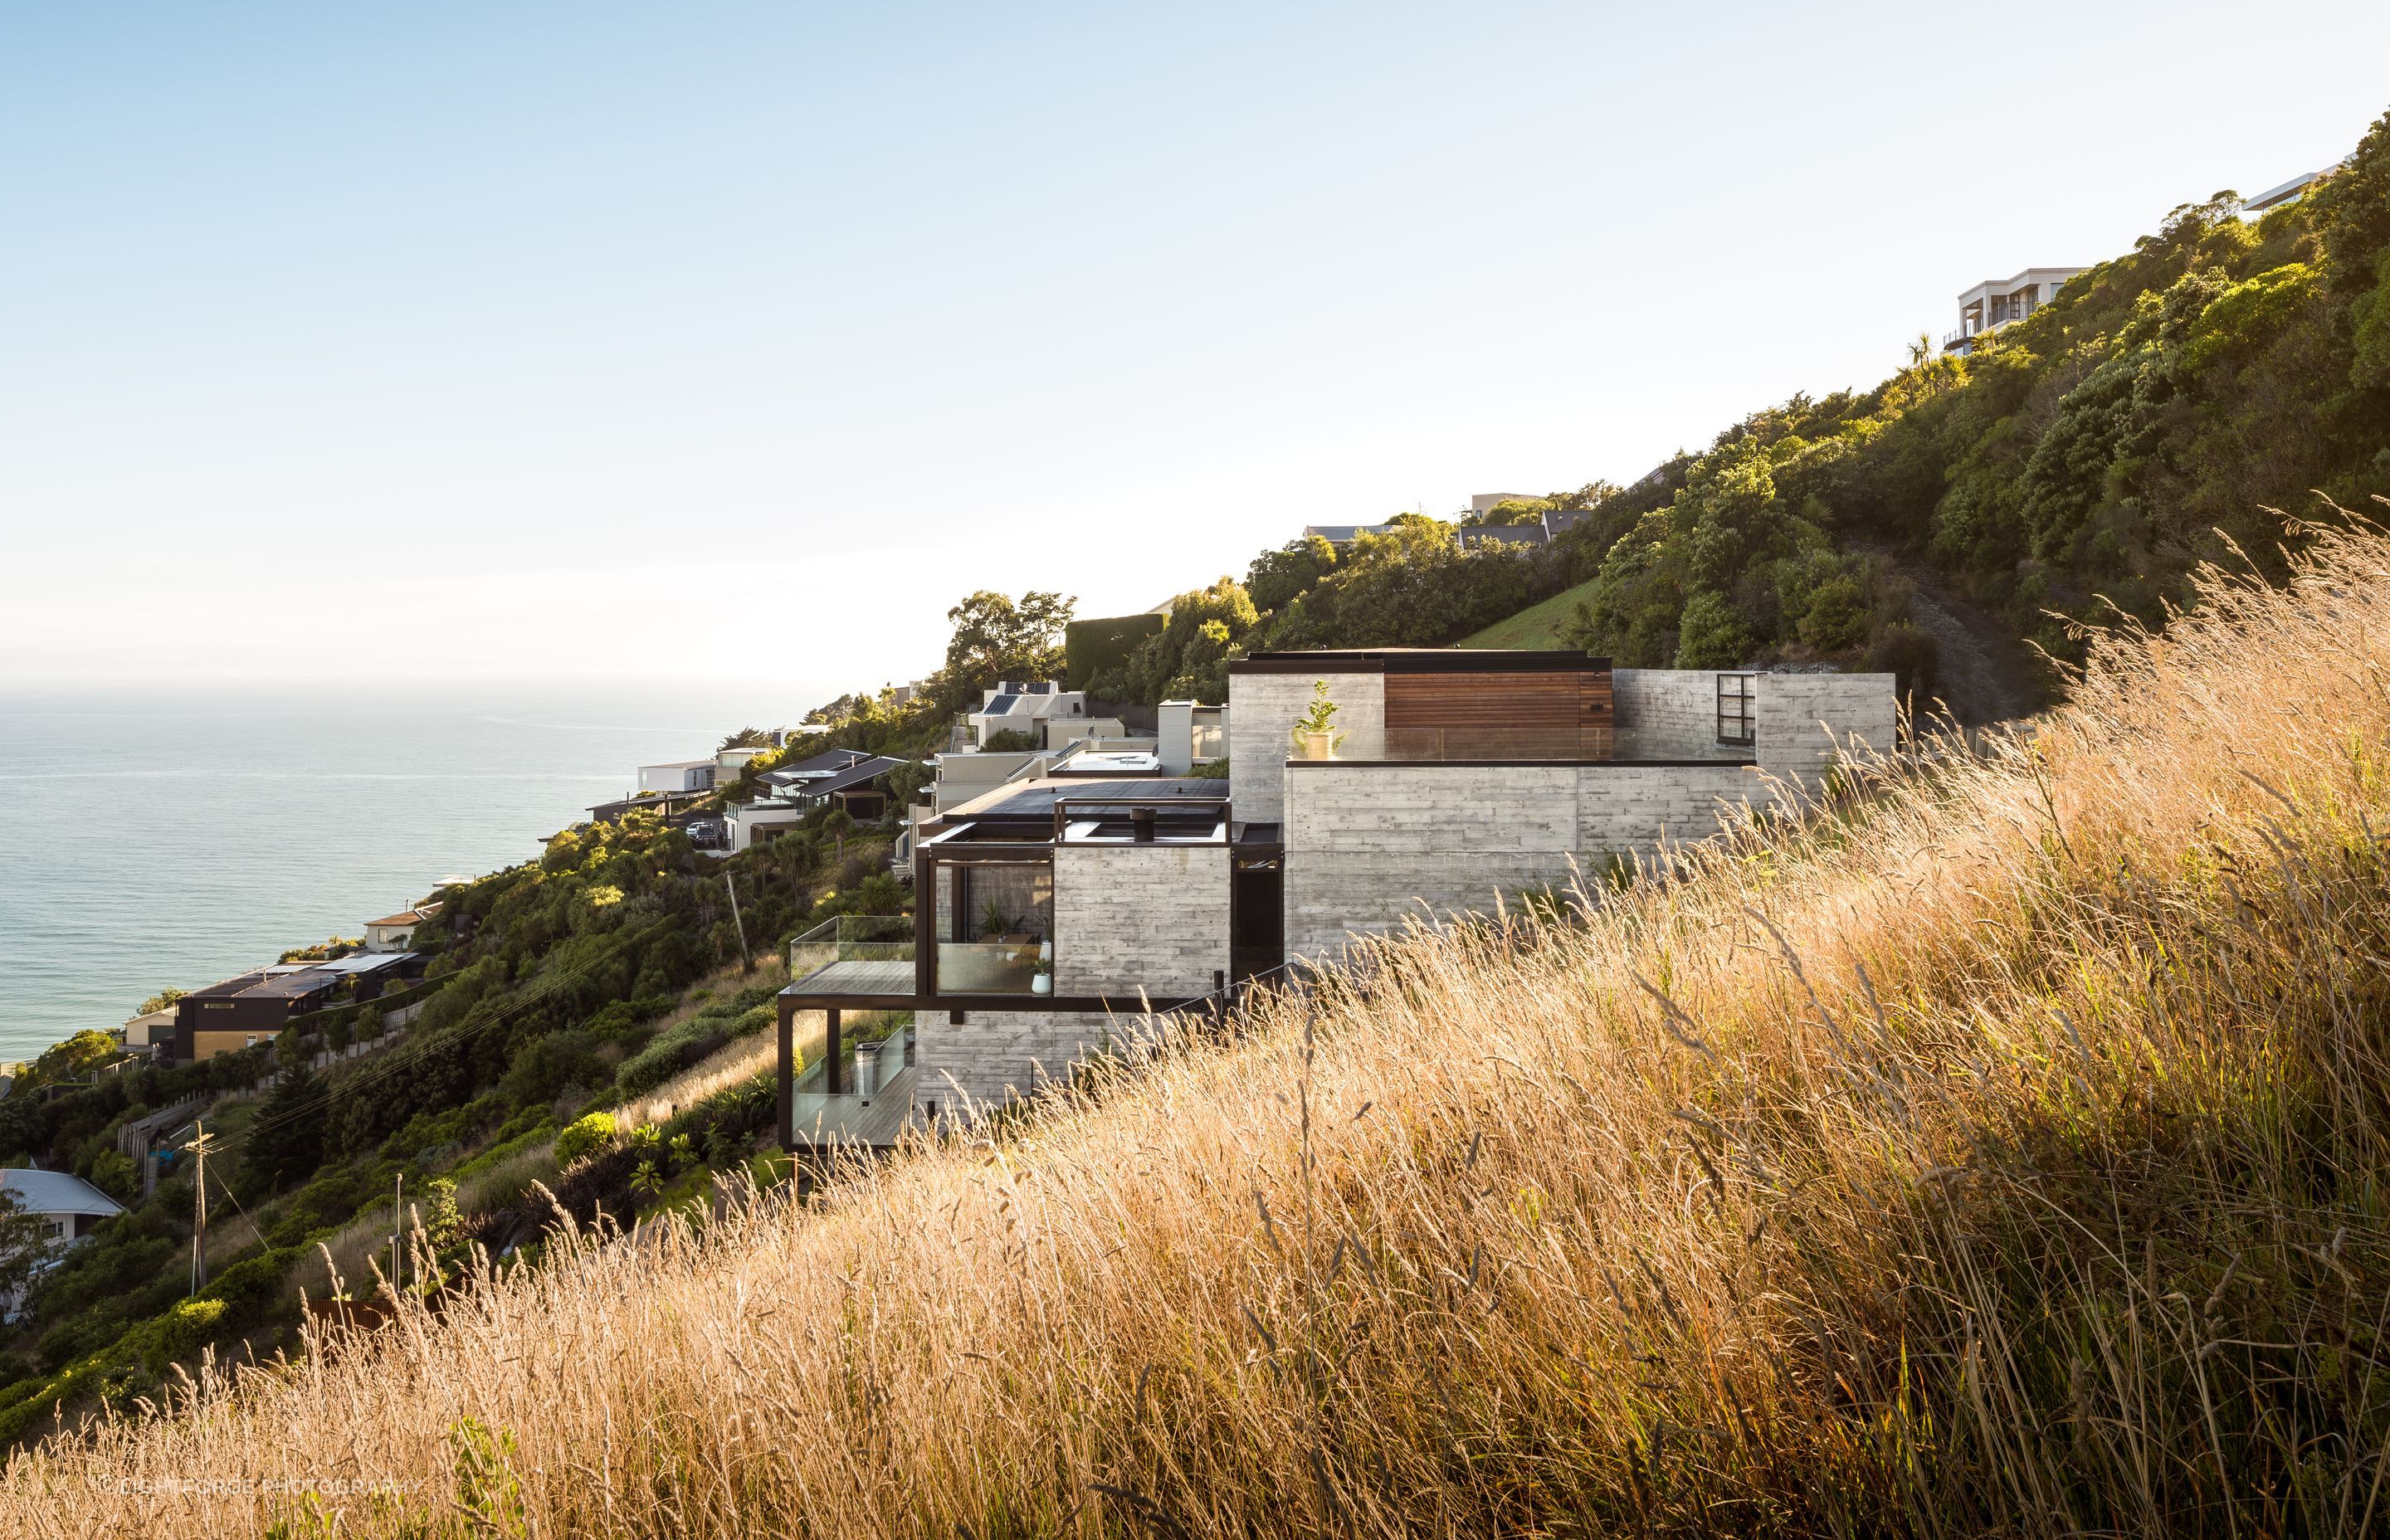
x=994 y=924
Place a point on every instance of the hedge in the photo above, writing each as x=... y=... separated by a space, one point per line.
x=1090 y=647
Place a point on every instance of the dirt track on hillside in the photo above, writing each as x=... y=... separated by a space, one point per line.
x=1987 y=675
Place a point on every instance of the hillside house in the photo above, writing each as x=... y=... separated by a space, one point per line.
x=396 y=933
x=71 y=1206
x=678 y=776
x=1053 y=912
x=147 y=1033
x=1026 y=706
x=696 y=776
x=252 y=1008
x=2287 y=193
x=1995 y=302
x=847 y=778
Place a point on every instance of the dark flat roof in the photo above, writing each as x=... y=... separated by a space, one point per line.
x=858 y=774
x=233 y=985
x=293 y=986
x=828 y=759
x=1422 y=659
x=295 y=983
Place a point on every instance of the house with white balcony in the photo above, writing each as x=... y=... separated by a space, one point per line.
x=1995 y=302
x=1058 y=913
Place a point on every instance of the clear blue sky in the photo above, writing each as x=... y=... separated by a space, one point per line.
x=744 y=340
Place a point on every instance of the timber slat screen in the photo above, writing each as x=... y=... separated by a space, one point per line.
x=1548 y=715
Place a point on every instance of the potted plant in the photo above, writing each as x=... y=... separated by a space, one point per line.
x=1314 y=732
x=1042 y=982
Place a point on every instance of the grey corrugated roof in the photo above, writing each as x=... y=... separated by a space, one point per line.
x=57 y=1192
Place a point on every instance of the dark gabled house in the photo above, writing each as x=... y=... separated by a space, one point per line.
x=847 y=778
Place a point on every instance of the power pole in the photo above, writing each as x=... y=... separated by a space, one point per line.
x=397 y=1222
x=200 y=1144
x=745 y=965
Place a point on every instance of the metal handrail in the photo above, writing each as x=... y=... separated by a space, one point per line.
x=1061 y=805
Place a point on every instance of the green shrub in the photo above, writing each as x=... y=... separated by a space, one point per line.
x=1710 y=637
x=113 y=1173
x=585 y=1137
x=1837 y=616
x=654 y=1064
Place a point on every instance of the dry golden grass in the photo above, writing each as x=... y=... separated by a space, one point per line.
x=733 y=1063
x=2006 y=1155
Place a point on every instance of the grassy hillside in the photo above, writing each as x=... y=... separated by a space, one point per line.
x=2003 y=1152
x=1537 y=625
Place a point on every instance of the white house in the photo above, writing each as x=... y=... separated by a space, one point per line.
x=144 y=1033
x=393 y=933
x=1026 y=707
x=73 y=1207
x=1997 y=301
x=2289 y=192
x=679 y=776
x=1190 y=734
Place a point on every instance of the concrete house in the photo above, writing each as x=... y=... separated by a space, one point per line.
x=1052 y=913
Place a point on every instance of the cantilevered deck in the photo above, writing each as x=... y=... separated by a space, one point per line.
x=858 y=977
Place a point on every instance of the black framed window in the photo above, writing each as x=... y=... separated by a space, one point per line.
x=1738 y=707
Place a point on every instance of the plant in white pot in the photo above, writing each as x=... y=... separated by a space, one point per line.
x=1314 y=732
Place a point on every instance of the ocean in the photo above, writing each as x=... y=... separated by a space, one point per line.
x=176 y=834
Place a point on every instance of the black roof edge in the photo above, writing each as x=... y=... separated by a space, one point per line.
x=1441 y=659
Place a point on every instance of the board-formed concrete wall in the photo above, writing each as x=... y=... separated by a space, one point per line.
x=1668 y=713
x=1368 y=845
x=1632 y=809
x=1265 y=708
x=996 y=1055
x=1130 y=916
x=1803 y=717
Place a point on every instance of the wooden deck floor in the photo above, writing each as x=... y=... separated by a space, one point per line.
x=858 y=977
x=844 y=1120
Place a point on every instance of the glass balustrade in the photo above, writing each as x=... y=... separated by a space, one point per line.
x=873 y=1105
x=854 y=955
